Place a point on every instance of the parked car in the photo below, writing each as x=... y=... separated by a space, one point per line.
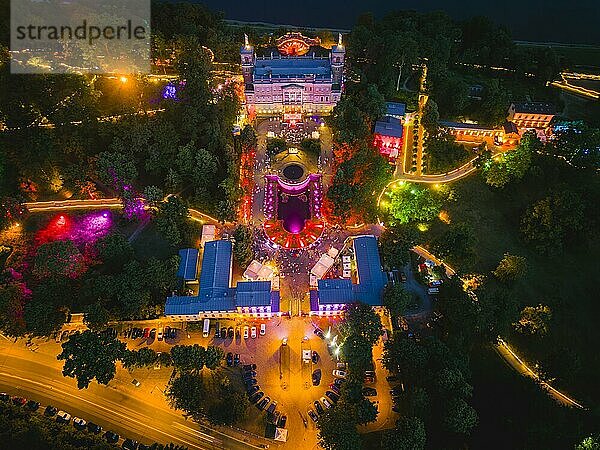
x=315 y=357
x=94 y=428
x=263 y=403
x=32 y=405
x=332 y=396
x=274 y=417
x=167 y=332
x=272 y=406
x=217 y=331
x=160 y=334
x=173 y=333
x=63 y=417
x=391 y=378
x=4 y=397
x=253 y=390
x=253 y=332
x=316 y=377
x=256 y=397
x=111 y=437
x=130 y=444
x=230 y=333
x=369 y=380
x=282 y=421
x=313 y=416
x=146 y=333
x=236 y=359
x=318 y=407
x=238 y=333
x=248 y=375
x=341 y=366
x=339 y=381
x=369 y=392
x=335 y=388
x=50 y=411
x=223 y=332
x=251 y=382
x=326 y=402
x=248 y=367
x=319 y=333
x=19 y=401
x=263 y=329
x=340 y=374
x=79 y=423
x=245 y=332
x=153 y=333
x=229 y=359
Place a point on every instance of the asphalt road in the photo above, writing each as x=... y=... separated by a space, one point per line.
x=146 y=418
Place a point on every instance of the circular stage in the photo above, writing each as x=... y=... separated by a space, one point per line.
x=293 y=172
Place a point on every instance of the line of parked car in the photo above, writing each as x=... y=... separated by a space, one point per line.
x=151 y=333
x=237 y=332
x=257 y=397
x=79 y=424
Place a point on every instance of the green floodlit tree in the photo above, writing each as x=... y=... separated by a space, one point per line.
x=89 y=356
x=511 y=268
x=410 y=203
x=589 y=443
x=534 y=320
x=361 y=320
x=512 y=165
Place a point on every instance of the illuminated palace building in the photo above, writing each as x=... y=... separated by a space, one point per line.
x=297 y=76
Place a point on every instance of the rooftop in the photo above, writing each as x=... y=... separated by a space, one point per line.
x=395 y=109
x=389 y=126
x=534 y=108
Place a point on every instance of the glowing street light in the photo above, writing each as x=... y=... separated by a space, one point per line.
x=123 y=79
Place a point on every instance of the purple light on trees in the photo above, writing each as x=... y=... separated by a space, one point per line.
x=170 y=92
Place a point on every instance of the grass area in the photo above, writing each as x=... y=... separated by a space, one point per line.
x=565 y=282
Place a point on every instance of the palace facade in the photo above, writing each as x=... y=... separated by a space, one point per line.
x=296 y=77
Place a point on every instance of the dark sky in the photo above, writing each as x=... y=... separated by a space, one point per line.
x=570 y=21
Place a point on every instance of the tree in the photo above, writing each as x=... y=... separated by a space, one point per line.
x=357 y=352
x=431 y=117
x=12 y=302
x=96 y=316
x=213 y=357
x=404 y=355
x=444 y=154
x=553 y=219
x=58 y=259
x=44 y=318
x=409 y=434
x=171 y=219
x=232 y=407
x=90 y=355
x=511 y=268
x=187 y=393
x=512 y=165
x=361 y=320
x=115 y=250
x=534 y=320
x=153 y=195
x=411 y=203
x=395 y=243
x=242 y=247
x=456 y=241
x=459 y=417
x=188 y=358
x=204 y=171
x=116 y=169
x=450 y=382
x=396 y=299
x=589 y=443
x=248 y=137
x=337 y=431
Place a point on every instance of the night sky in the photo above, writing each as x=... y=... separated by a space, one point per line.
x=569 y=21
